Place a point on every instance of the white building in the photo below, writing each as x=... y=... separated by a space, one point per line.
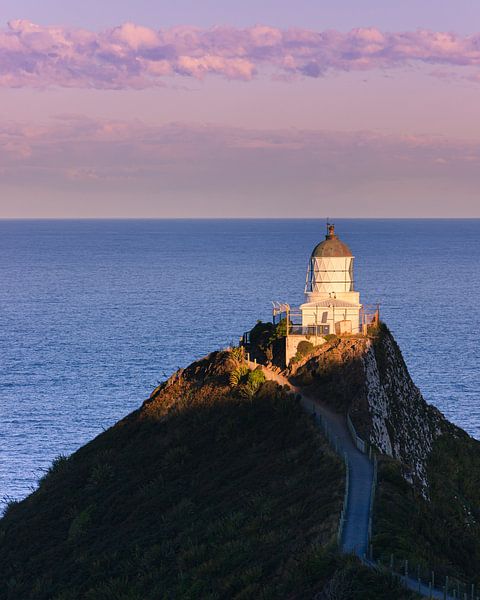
x=332 y=306
x=331 y=303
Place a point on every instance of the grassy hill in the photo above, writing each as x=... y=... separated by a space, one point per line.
x=440 y=532
x=219 y=486
x=427 y=507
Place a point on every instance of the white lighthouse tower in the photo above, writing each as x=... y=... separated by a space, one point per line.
x=331 y=303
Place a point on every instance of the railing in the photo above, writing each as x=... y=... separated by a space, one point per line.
x=333 y=441
x=424 y=580
x=318 y=330
x=343 y=514
x=357 y=440
x=372 y=499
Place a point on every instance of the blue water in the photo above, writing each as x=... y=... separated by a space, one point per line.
x=93 y=314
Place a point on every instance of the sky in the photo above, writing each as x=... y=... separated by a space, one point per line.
x=358 y=108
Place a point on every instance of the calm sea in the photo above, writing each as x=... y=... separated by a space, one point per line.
x=94 y=314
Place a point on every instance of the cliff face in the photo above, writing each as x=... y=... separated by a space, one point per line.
x=368 y=378
x=427 y=503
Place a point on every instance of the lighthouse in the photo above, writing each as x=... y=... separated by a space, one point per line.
x=331 y=303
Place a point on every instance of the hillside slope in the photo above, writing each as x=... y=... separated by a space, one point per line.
x=210 y=490
x=428 y=501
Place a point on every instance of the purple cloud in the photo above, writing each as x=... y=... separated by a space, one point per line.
x=96 y=165
x=72 y=145
x=131 y=56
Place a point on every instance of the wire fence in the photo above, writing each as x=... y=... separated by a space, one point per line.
x=336 y=447
x=418 y=577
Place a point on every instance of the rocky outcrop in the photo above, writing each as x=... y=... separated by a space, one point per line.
x=368 y=379
x=402 y=424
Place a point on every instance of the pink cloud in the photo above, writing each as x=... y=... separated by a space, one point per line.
x=190 y=169
x=83 y=148
x=136 y=57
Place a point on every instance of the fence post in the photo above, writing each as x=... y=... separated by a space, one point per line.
x=430 y=590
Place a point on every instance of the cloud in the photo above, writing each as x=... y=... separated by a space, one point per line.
x=75 y=147
x=92 y=165
x=135 y=57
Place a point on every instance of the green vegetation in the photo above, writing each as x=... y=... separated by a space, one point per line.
x=260 y=346
x=245 y=381
x=200 y=494
x=304 y=348
x=330 y=336
x=266 y=341
x=441 y=532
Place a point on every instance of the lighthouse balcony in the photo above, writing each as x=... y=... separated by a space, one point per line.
x=326 y=317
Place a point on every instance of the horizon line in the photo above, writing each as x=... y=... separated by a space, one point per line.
x=5 y=219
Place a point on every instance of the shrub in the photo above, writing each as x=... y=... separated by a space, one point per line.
x=256 y=378
x=304 y=348
x=238 y=374
x=238 y=354
x=252 y=383
x=329 y=337
x=80 y=524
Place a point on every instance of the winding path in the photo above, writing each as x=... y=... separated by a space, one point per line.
x=356 y=528
x=355 y=532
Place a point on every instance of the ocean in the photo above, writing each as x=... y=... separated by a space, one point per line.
x=94 y=314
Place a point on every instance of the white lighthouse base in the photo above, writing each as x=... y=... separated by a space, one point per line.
x=332 y=315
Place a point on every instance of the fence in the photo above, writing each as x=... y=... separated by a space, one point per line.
x=425 y=581
x=420 y=578
x=333 y=441
x=357 y=440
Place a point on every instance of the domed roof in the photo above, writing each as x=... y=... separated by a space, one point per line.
x=331 y=246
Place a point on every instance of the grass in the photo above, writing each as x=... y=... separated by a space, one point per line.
x=441 y=532
x=200 y=494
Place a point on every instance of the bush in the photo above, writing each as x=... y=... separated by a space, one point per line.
x=238 y=374
x=304 y=348
x=256 y=378
x=238 y=353
x=329 y=337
